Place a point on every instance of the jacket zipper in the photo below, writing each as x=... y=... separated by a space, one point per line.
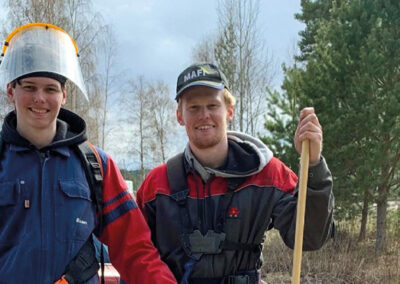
x=44 y=156
x=204 y=224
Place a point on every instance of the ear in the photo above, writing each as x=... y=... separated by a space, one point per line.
x=64 y=98
x=179 y=117
x=230 y=112
x=10 y=93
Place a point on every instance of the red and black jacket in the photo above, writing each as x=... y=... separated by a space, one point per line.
x=264 y=197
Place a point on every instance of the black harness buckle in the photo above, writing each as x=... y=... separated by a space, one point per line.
x=211 y=243
x=180 y=197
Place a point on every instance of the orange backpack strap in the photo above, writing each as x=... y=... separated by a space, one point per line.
x=94 y=150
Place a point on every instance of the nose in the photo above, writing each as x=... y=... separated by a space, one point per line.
x=204 y=112
x=39 y=96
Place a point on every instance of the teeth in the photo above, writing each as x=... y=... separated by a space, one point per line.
x=39 y=110
x=204 y=127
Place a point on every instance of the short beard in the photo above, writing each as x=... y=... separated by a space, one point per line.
x=205 y=144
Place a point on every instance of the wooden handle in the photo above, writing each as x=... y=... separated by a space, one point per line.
x=301 y=208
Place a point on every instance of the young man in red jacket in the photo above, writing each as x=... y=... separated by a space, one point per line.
x=209 y=209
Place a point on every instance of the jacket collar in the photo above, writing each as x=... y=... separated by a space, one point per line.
x=71 y=130
x=63 y=151
x=246 y=156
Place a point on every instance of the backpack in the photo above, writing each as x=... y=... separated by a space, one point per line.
x=85 y=264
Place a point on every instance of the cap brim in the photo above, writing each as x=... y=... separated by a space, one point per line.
x=211 y=84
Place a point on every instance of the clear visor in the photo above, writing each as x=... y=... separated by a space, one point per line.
x=40 y=48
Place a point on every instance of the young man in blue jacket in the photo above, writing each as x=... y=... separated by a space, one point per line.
x=209 y=209
x=47 y=211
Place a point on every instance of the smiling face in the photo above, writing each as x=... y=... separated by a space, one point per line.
x=37 y=103
x=205 y=115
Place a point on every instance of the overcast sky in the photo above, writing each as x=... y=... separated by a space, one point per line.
x=156 y=38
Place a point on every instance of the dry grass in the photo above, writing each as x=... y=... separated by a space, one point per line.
x=341 y=260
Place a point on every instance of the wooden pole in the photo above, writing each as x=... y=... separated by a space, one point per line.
x=301 y=208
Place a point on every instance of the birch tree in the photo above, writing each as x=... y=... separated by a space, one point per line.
x=107 y=79
x=163 y=122
x=242 y=56
x=136 y=106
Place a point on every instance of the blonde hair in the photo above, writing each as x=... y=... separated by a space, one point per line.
x=229 y=99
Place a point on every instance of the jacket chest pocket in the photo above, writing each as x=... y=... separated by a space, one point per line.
x=75 y=212
x=12 y=213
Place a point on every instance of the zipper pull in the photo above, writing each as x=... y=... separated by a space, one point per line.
x=44 y=155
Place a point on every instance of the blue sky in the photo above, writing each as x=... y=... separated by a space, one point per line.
x=155 y=38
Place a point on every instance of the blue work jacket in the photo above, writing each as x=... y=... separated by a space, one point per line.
x=46 y=211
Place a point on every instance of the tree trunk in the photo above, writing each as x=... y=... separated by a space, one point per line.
x=380 y=244
x=364 y=216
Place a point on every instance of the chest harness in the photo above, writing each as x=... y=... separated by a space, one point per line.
x=194 y=243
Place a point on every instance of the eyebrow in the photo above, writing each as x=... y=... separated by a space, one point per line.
x=34 y=83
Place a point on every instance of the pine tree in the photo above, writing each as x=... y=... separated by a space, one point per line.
x=350 y=73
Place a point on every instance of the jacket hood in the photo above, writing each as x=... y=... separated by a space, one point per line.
x=247 y=156
x=71 y=130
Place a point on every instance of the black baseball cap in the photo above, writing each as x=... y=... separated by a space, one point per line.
x=201 y=74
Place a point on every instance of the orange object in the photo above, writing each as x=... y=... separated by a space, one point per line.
x=61 y=281
x=27 y=26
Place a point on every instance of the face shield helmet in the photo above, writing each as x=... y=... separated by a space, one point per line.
x=40 y=48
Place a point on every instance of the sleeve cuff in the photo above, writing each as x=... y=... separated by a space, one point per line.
x=318 y=172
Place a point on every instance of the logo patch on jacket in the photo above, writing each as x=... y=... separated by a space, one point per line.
x=80 y=221
x=233 y=212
